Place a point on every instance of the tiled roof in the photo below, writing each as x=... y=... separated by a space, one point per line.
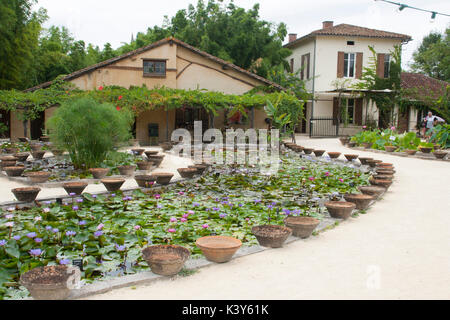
x=349 y=30
x=91 y=68
x=425 y=86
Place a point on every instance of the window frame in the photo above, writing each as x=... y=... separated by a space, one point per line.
x=154 y=74
x=347 y=69
x=353 y=106
x=387 y=65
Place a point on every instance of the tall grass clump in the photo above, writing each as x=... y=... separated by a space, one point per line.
x=88 y=130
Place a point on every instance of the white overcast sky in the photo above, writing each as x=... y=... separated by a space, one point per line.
x=113 y=21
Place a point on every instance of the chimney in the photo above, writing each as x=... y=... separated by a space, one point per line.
x=327 y=24
x=292 y=37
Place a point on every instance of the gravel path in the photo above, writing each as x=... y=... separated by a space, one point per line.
x=400 y=249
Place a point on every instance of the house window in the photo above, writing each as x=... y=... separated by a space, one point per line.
x=154 y=68
x=350 y=43
x=348 y=111
x=304 y=73
x=349 y=65
x=292 y=65
x=387 y=63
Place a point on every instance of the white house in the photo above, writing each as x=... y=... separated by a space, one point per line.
x=332 y=57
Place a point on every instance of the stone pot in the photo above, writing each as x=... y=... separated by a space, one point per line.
x=351 y=157
x=22 y=156
x=156 y=159
x=297 y=148
x=390 y=148
x=27 y=194
x=440 y=154
x=385 y=171
x=11 y=150
x=308 y=150
x=384 y=177
x=75 y=187
x=14 y=171
x=38 y=176
x=200 y=168
x=351 y=144
x=425 y=149
x=382 y=183
x=334 y=155
x=137 y=151
x=112 y=184
x=373 y=163
x=99 y=173
x=126 y=170
x=218 y=248
x=151 y=153
x=35 y=147
x=344 y=140
x=163 y=177
x=272 y=236
x=410 y=152
x=166 y=146
x=38 y=154
x=51 y=282
x=319 y=153
x=45 y=139
x=340 y=209
x=144 y=165
x=362 y=201
x=145 y=180
x=374 y=191
x=366 y=145
x=301 y=227
x=187 y=173
x=166 y=260
x=8 y=161
x=363 y=160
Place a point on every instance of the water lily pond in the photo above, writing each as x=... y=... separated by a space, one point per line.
x=108 y=232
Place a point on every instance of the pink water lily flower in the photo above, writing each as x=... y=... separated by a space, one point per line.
x=205 y=226
x=171 y=230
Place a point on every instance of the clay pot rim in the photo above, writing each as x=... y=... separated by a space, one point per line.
x=8 y=158
x=351 y=155
x=163 y=174
x=318 y=150
x=440 y=152
x=372 y=188
x=38 y=173
x=283 y=231
x=24 y=278
x=358 y=196
x=98 y=169
x=26 y=189
x=301 y=220
x=145 y=176
x=127 y=166
x=226 y=241
x=186 y=170
x=13 y=167
x=365 y=158
x=340 y=204
x=334 y=152
x=112 y=180
x=75 y=184
x=182 y=253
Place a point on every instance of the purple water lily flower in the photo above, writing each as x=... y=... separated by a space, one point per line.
x=215 y=209
x=222 y=215
x=9 y=216
x=287 y=211
x=2 y=243
x=75 y=208
x=240 y=204
x=9 y=224
x=35 y=252
x=31 y=235
x=100 y=226
x=98 y=233
x=64 y=261
x=159 y=206
x=205 y=226
x=183 y=219
x=72 y=194
x=46 y=210
x=82 y=223
x=120 y=248
x=196 y=204
x=38 y=240
x=70 y=233
x=55 y=230
x=17 y=238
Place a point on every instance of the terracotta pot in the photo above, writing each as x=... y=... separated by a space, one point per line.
x=373 y=163
x=200 y=168
x=8 y=158
x=27 y=194
x=385 y=165
x=272 y=236
x=374 y=191
x=45 y=139
x=361 y=201
x=351 y=144
x=308 y=150
x=144 y=165
x=385 y=171
x=14 y=171
x=440 y=154
x=187 y=173
x=35 y=147
x=22 y=156
x=366 y=145
x=351 y=157
x=334 y=155
x=75 y=187
x=166 y=260
x=344 y=140
x=38 y=154
x=340 y=209
x=156 y=159
x=38 y=176
x=390 y=148
x=384 y=177
x=145 y=181
x=57 y=152
x=218 y=248
x=151 y=153
x=166 y=146
x=301 y=227
x=383 y=183
x=112 y=184
x=99 y=173
x=319 y=153
x=138 y=151
x=163 y=177
x=363 y=160
x=51 y=282
x=297 y=148
x=425 y=149
x=8 y=163
x=410 y=152
x=11 y=150
x=126 y=170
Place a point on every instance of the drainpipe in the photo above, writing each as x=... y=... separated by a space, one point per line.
x=313 y=87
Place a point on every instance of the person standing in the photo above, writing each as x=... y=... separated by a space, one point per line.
x=429 y=124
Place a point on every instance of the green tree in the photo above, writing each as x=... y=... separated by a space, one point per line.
x=433 y=56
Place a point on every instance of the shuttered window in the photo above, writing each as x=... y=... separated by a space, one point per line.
x=349 y=65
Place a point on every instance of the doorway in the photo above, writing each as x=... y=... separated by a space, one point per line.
x=5 y=128
x=37 y=126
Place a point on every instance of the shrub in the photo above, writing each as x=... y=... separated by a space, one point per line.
x=88 y=130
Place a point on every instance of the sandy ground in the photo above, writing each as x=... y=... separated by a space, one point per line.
x=400 y=249
x=170 y=163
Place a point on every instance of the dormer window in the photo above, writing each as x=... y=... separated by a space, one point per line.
x=350 y=43
x=154 y=68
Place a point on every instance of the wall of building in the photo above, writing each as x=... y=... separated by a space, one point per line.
x=305 y=47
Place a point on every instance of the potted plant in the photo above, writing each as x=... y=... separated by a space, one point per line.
x=301 y=226
x=340 y=209
x=425 y=147
x=137 y=151
x=362 y=201
x=410 y=152
x=383 y=183
x=166 y=146
x=75 y=187
x=99 y=173
x=112 y=184
x=166 y=260
x=27 y=194
x=269 y=235
x=51 y=282
x=389 y=147
x=373 y=163
x=156 y=159
x=385 y=171
x=218 y=248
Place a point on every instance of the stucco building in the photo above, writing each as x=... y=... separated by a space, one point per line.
x=170 y=63
x=333 y=58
